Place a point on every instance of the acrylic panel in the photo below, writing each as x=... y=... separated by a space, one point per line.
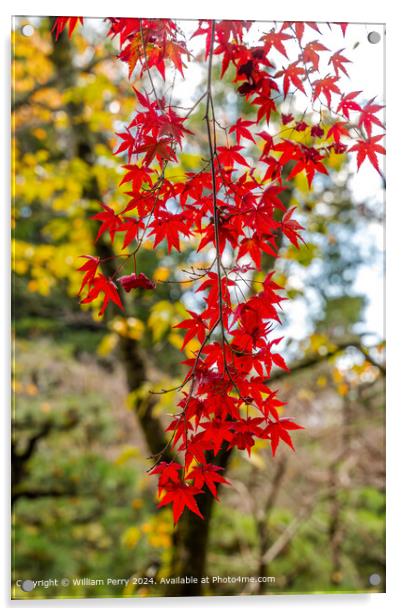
x=198 y=357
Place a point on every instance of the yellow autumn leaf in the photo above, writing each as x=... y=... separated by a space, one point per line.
x=131 y=537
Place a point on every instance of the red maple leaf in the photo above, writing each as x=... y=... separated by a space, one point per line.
x=338 y=60
x=347 y=104
x=110 y=221
x=167 y=227
x=275 y=39
x=307 y=159
x=174 y=52
x=291 y=75
x=90 y=268
x=266 y=105
x=286 y=118
x=137 y=176
x=127 y=143
x=326 y=86
x=61 y=22
x=136 y=281
x=299 y=27
x=337 y=131
x=207 y=474
x=131 y=227
x=310 y=53
x=246 y=432
x=367 y=116
x=278 y=430
x=290 y=227
x=152 y=148
x=228 y=156
x=169 y=472
x=241 y=130
x=180 y=426
x=195 y=326
x=368 y=148
x=343 y=25
x=102 y=284
x=217 y=431
x=181 y=495
x=253 y=246
x=171 y=125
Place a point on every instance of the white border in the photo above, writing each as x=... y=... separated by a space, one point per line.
x=339 y=10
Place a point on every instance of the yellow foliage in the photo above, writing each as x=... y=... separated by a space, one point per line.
x=301 y=183
x=137 y=503
x=138 y=399
x=258 y=279
x=162 y=314
x=46 y=178
x=135 y=328
x=336 y=161
x=174 y=173
x=320 y=343
x=131 y=537
x=162 y=317
x=16 y=386
x=128 y=327
x=192 y=347
x=343 y=389
x=175 y=340
x=128 y=453
x=190 y=161
x=322 y=381
x=31 y=389
x=158 y=530
x=107 y=344
x=161 y=273
x=337 y=376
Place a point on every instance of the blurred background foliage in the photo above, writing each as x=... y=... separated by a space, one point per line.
x=83 y=504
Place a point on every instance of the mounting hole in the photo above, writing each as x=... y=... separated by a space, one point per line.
x=374 y=37
x=27 y=30
x=27 y=585
x=374 y=579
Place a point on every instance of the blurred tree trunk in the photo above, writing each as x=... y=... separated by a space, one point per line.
x=264 y=520
x=190 y=541
x=337 y=500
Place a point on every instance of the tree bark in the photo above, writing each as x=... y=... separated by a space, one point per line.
x=190 y=541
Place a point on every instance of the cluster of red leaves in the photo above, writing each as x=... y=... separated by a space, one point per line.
x=225 y=399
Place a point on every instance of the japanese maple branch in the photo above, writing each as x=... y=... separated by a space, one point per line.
x=146 y=65
x=212 y=155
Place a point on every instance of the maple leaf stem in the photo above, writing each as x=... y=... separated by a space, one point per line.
x=212 y=154
x=159 y=182
x=147 y=67
x=190 y=376
x=212 y=157
x=158 y=456
x=197 y=102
